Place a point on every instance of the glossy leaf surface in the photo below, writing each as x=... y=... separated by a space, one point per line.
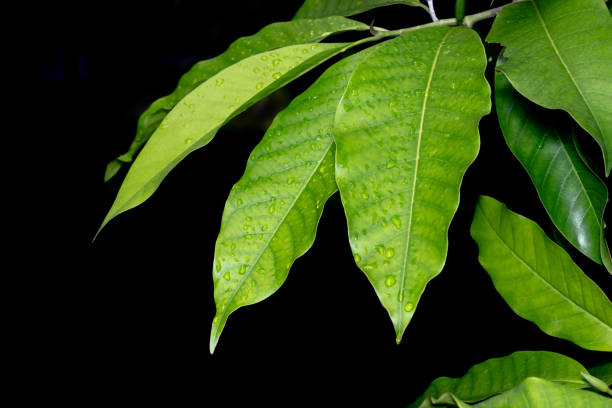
x=485 y=379
x=574 y=197
x=406 y=133
x=271 y=215
x=540 y=393
x=193 y=122
x=538 y=279
x=268 y=38
x=559 y=55
x=324 y=8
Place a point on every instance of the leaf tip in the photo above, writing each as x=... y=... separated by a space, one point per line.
x=215 y=333
x=112 y=168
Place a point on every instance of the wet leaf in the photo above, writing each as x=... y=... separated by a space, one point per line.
x=406 y=133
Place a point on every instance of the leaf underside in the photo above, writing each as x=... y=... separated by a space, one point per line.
x=195 y=120
x=405 y=135
x=324 y=8
x=271 y=215
x=273 y=36
x=574 y=197
x=559 y=55
x=538 y=279
x=484 y=380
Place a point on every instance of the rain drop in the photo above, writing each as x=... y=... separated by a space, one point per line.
x=389 y=253
x=226 y=276
x=408 y=307
x=277 y=75
x=259 y=85
x=396 y=221
x=276 y=62
x=188 y=141
x=389 y=281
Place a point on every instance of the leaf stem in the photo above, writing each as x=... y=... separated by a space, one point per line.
x=468 y=21
x=432 y=12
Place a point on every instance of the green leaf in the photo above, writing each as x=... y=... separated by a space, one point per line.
x=324 y=8
x=406 y=134
x=603 y=371
x=539 y=393
x=271 y=215
x=539 y=280
x=194 y=122
x=558 y=55
x=597 y=383
x=574 y=197
x=484 y=380
x=268 y=38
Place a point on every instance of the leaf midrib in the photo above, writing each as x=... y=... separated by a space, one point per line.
x=535 y=273
x=272 y=234
x=414 y=179
x=569 y=73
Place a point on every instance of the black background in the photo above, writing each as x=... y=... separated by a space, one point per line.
x=130 y=313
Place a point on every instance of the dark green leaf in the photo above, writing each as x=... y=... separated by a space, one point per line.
x=574 y=197
x=537 y=278
x=324 y=8
x=406 y=133
x=559 y=55
x=497 y=375
x=271 y=215
x=268 y=38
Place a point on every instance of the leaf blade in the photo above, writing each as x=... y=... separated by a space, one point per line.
x=482 y=380
x=300 y=140
x=383 y=130
x=324 y=8
x=551 y=60
x=573 y=196
x=186 y=129
x=538 y=280
x=273 y=36
x=539 y=393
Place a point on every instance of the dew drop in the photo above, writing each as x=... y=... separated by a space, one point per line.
x=304 y=51
x=264 y=57
x=389 y=253
x=219 y=81
x=272 y=208
x=290 y=180
x=264 y=227
x=408 y=307
x=218 y=266
x=256 y=70
x=276 y=62
x=389 y=281
x=226 y=276
x=242 y=270
x=188 y=141
x=365 y=196
x=380 y=249
x=259 y=85
x=357 y=258
x=396 y=221
x=239 y=201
